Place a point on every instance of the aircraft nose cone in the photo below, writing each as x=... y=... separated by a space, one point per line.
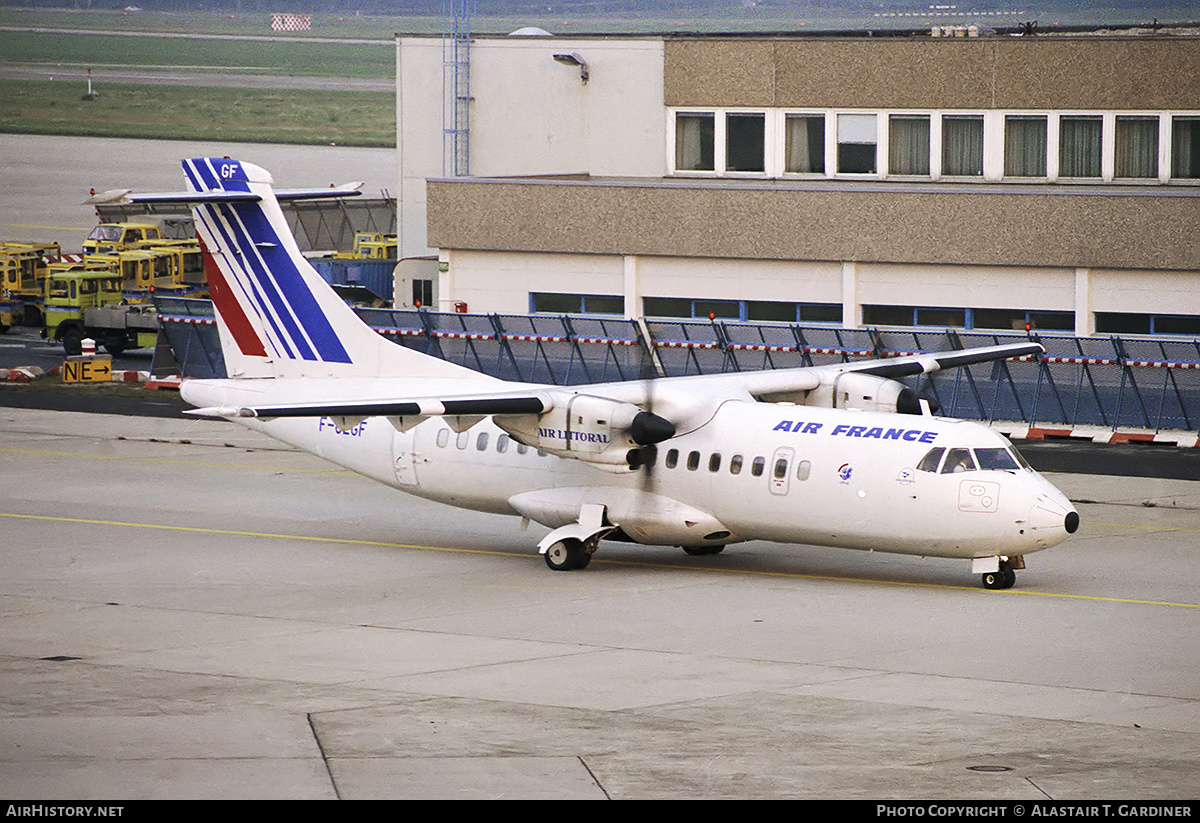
x=1052 y=518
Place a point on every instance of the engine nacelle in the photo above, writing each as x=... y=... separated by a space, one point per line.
x=868 y=392
x=592 y=429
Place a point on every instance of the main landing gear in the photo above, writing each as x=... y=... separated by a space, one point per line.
x=1003 y=578
x=569 y=554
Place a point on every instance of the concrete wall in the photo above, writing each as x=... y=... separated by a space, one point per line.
x=530 y=115
x=1077 y=73
x=966 y=225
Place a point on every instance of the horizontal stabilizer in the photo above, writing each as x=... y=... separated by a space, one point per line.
x=122 y=197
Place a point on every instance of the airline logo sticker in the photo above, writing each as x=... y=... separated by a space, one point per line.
x=843 y=430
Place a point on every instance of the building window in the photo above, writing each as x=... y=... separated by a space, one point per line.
x=694 y=141
x=745 y=142
x=549 y=303
x=805 y=143
x=1185 y=147
x=1136 y=147
x=908 y=144
x=888 y=316
x=857 y=139
x=1079 y=147
x=1016 y=319
x=766 y=311
x=422 y=293
x=758 y=311
x=1024 y=146
x=1129 y=323
x=956 y=318
x=717 y=309
x=962 y=146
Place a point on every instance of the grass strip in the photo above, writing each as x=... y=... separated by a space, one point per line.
x=306 y=117
x=83 y=51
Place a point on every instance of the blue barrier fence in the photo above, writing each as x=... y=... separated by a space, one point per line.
x=1110 y=382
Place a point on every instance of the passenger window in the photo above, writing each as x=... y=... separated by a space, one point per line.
x=802 y=469
x=481 y=442
x=522 y=448
x=502 y=443
x=443 y=438
x=462 y=440
x=958 y=460
x=929 y=462
x=781 y=468
x=714 y=462
x=756 y=468
x=735 y=464
x=693 y=461
x=672 y=458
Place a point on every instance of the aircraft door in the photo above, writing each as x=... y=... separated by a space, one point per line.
x=781 y=469
x=404 y=457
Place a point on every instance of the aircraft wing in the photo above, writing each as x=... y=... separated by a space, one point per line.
x=784 y=381
x=477 y=406
x=540 y=399
x=634 y=413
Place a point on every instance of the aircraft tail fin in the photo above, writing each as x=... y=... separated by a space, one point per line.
x=277 y=316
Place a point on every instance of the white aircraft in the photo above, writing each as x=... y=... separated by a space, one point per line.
x=839 y=455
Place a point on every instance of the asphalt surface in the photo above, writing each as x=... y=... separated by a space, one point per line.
x=189 y=610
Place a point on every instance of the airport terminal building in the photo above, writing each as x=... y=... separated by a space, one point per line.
x=965 y=182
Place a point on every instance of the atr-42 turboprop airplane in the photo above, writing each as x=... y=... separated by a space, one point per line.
x=839 y=455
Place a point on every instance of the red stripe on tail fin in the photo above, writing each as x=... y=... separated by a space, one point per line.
x=230 y=309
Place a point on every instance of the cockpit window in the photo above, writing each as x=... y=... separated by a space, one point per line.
x=958 y=460
x=929 y=462
x=996 y=459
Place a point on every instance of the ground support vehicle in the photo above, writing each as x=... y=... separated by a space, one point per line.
x=370 y=246
x=23 y=268
x=182 y=275
x=111 y=237
x=89 y=303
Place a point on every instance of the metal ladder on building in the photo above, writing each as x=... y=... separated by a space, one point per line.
x=456 y=87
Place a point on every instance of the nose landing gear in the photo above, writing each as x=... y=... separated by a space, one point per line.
x=1003 y=578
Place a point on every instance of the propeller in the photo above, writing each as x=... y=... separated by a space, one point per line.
x=648 y=429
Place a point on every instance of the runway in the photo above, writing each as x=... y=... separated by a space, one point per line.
x=188 y=610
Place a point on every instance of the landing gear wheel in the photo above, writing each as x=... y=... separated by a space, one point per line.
x=703 y=551
x=1002 y=579
x=567 y=555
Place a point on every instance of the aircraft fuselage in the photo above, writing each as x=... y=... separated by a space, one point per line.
x=753 y=471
